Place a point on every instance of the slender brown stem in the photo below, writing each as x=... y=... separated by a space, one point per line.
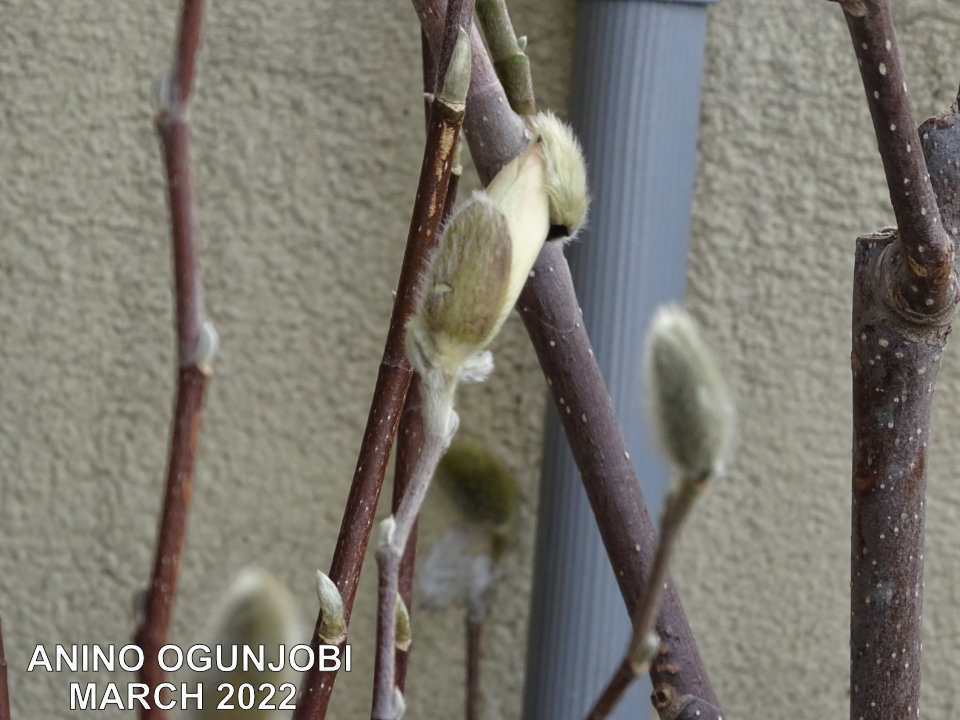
x=614 y=690
x=923 y=276
x=550 y=311
x=409 y=443
x=636 y=660
x=493 y=130
x=393 y=379
x=4 y=689
x=474 y=627
x=195 y=346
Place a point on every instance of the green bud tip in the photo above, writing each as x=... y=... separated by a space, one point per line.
x=691 y=408
x=403 y=635
x=457 y=80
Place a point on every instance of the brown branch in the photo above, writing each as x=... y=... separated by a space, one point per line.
x=474 y=627
x=493 y=131
x=393 y=380
x=550 y=311
x=904 y=300
x=196 y=342
x=551 y=314
x=409 y=442
x=923 y=275
x=895 y=362
x=410 y=431
x=4 y=690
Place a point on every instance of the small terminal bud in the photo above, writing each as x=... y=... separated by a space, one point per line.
x=403 y=635
x=162 y=92
x=208 y=342
x=691 y=408
x=457 y=80
x=388 y=528
x=333 y=628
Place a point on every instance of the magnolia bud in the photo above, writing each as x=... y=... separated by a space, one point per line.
x=465 y=289
x=691 y=408
x=259 y=613
x=483 y=489
x=333 y=627
x=565 y=174
x=403 y=633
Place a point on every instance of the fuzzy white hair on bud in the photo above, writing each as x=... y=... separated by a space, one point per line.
x=565 y=174
x=464 y=291
x=691 y=407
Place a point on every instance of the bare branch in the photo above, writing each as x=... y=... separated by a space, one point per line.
x=196 y=344
x=474 y=626
x=393 y=380
x=924 y=273
x=549 y=308
x=905 y=295
x=551 y=314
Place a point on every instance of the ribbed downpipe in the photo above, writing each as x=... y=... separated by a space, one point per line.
x=636 y=102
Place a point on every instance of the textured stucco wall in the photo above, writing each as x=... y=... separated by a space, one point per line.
x=306 y=127
x=307 y=132
x=788 y=177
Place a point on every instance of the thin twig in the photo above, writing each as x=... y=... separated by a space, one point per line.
x=550 y=311
x=4 y=689
x=196 y=342
x=923 y=275
x=493 y=130
x=435 y=441
x=636 y=660
x=474 y=627
x=509 y=59
x=904 y=300
x=393 y=380
x=409 y=444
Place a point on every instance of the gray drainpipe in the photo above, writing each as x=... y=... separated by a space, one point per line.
x=636 y=107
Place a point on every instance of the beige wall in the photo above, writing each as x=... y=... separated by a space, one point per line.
x=306 y=128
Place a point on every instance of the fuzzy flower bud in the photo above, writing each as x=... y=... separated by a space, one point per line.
x=691 y=408
x=465 y=290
